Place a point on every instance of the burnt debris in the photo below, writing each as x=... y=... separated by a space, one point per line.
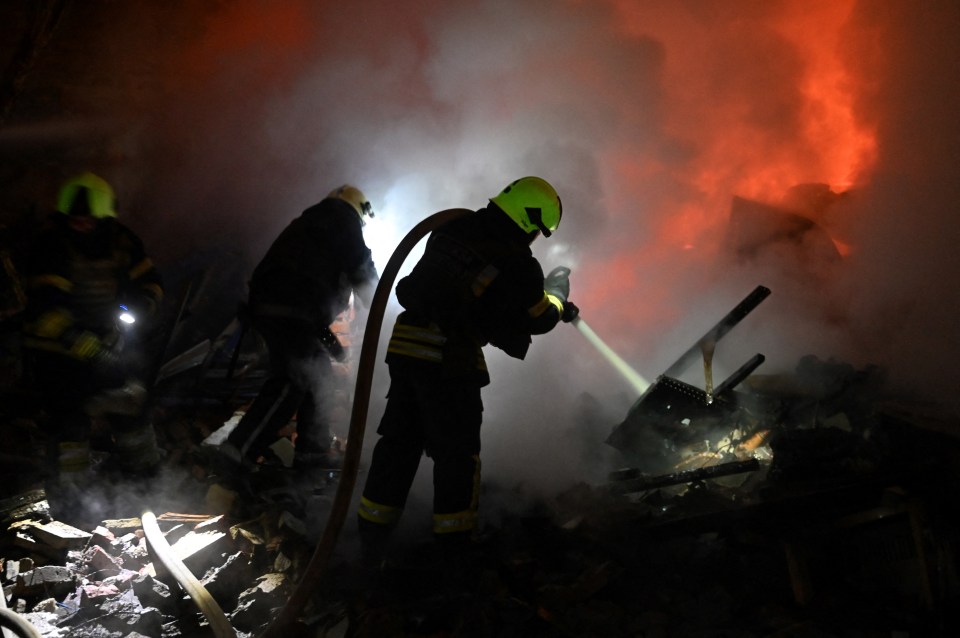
x=805 y=504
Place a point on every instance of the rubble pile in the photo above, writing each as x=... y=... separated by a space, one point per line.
x=812 y=505
x=106 y=582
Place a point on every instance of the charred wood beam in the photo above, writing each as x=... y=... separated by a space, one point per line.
x=722 y=327
x=632 y=480
x=742 y=373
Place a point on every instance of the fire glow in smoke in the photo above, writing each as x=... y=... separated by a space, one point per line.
x=649 y=117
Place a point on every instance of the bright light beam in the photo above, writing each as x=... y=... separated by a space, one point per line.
x=126 y=316
x=632 y=376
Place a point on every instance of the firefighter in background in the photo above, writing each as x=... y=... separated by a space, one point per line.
x=84 y=269
x=296 y=292
x=477 y=283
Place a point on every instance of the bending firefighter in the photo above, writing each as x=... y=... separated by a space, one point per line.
x=297 y=290
x=477 y=283
x=83 y=271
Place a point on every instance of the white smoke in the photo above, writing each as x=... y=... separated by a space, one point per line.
x=648 y=117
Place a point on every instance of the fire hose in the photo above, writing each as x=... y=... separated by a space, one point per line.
x=315 y=569
x=13 y=624
x=361 y=400
x=358 y=419
x=209 y=607
x=211 y=610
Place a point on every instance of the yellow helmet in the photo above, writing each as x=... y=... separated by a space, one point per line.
x=355 y=197
x=87 y=194
x=532 y=203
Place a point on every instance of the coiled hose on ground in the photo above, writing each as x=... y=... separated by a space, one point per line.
x=358 y=420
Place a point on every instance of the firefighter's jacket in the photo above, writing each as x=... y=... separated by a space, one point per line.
x=313 y=266
x=76 y=283
x=477 y=283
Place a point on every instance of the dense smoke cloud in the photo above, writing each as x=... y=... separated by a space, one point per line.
x=648 y=117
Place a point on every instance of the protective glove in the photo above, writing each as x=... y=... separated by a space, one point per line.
x=570 y=312
x=557 y=283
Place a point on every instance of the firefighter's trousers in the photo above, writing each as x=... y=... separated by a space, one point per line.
x=441 y=417
x=298 y=383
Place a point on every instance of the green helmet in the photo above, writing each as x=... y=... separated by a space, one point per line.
x=532 y=203
x=355 y=197
x=87 y=194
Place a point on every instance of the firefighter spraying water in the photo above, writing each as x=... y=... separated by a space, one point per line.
x=524 y=210
x=476 y=284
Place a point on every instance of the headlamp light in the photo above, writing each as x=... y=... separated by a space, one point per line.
x=126 y=316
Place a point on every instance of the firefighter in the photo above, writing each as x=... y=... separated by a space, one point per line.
x=477 y=283
x=296 y=292
x=85 y=269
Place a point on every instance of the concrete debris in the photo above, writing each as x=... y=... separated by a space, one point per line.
x=257 y=605
x=201 y=550
x=155 y=593
x=98 y=561
x=59 y=535
x=47 y=580
x=227 y=581
x=798 y=505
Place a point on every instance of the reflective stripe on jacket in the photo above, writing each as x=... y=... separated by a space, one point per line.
x=424 y=343
x=457 y=355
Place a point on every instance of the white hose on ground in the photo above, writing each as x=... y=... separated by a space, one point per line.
x=219 y=623
x=14 y=624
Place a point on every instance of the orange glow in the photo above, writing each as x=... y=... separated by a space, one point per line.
x=843 y=248
x=847 y=148
x=251 y=35
x=683 y=226
x=756 y=128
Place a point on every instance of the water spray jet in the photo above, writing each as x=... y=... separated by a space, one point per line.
x=634 y=378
